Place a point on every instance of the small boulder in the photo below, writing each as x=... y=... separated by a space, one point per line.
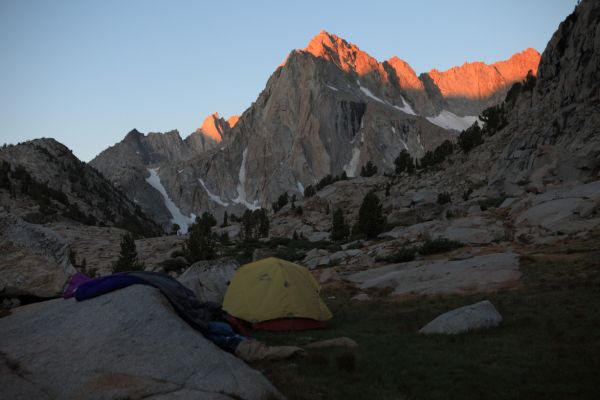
x=361 y=297
x=329 y=275
x=259 y=254
x=468 y=318
x=209 y=279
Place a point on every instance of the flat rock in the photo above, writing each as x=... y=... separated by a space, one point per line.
x=568 y=209
x=473 y=230
x=468 y=318
x=126 y=344
x=411 y=232
x=550 y=214
x=318 y=236
x=483 y=273
x=336 y=342
x=209 y=279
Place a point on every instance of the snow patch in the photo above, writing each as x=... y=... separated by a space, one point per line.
x=352 y=166
x=300 y=187
x=370 y=94
x=449 y=120
x=177 y=217
x=404 y=144
x=213 y=197
x=393 y=130
x=241 y=190
x=332 y=88
x=406 y=108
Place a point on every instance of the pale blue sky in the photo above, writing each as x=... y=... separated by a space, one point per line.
x=87 y=72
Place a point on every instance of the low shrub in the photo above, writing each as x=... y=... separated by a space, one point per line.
x=405 y=254
x=491 y=203
x=174 y=264
x=438 y=245
x=444 y=198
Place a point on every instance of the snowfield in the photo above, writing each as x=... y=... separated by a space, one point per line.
x=449 y=120
x=177 y=217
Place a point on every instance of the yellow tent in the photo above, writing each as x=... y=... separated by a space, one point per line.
x=271 y=289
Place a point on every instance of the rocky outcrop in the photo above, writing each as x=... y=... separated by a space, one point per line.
x=126 y=344
x=34 y=261
x=552 y=132
x=464 y=319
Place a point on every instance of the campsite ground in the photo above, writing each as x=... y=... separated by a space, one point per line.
x=548 y=346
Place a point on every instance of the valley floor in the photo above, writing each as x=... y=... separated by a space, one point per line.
x=548 y=346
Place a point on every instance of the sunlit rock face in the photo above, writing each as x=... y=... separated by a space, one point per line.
x=472 y=87
x=328 y=109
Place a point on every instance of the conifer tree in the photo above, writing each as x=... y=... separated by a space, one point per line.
x=371 y=221
x=339 y=228
x=200 y=244
x=128 y=260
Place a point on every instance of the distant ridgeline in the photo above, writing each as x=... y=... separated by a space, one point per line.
x=43 y=181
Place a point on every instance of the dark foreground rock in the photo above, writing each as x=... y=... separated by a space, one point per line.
x=126 y=344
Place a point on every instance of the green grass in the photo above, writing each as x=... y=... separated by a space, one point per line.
x=547 y=348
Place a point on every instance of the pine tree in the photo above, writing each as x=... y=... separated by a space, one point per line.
x=263 y=228
x=200 y=244
x=128 y=260
x=371 y=221
x=404 y=162
x=225 y=222
x=310 y=191
x=369 y=169
x=339 y=228
x=255 y=224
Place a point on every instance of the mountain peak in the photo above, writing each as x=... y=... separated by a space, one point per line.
x=321 y=39
x=133 y=134
x=211 y=127
x=347 y=56
x=233 y=120
x=407 y=76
